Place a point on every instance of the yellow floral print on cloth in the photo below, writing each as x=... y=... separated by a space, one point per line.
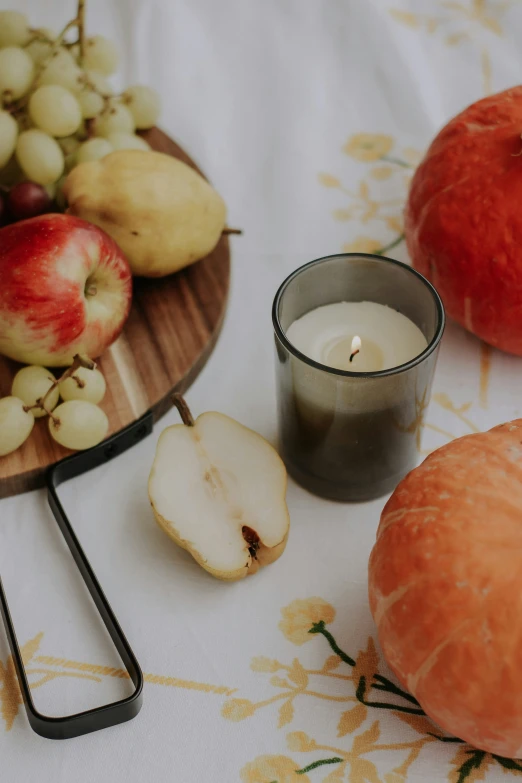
x=266 y=769
x=362 y=244
x=460 y=415
x=378 y=199
x=368 y=147
x=10 y=696
x=371 y=708
x=42 y=669
x=475 y=23
x=299 y=616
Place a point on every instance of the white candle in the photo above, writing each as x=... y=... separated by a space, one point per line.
x=380 y=337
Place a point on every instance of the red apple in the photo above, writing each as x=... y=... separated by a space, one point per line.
x=65 y=288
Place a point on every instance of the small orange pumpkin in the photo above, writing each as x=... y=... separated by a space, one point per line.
x=445 y=587
x=463 y=221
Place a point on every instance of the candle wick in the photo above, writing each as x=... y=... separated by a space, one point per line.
x=356 y=347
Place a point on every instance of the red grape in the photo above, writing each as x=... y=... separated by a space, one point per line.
x=27 y=199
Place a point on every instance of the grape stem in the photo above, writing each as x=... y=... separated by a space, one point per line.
x=56 y=46
x=78 y=361
x=80 y=18
x=89 y=128
x=79 y=382
x=88 y=83
x=40 y=404
x=14 y=107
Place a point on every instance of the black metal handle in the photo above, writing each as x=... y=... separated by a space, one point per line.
x=119 y=711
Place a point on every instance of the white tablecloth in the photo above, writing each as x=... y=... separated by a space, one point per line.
x=270 y=98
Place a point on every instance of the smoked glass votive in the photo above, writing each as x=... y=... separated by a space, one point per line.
x=352 y=436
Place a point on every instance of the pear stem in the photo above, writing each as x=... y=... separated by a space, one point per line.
x=226 y=231
x=183 y=410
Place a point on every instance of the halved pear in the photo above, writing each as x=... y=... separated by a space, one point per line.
x=218 y=489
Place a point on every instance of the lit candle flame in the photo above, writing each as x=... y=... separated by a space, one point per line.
x=356 y=347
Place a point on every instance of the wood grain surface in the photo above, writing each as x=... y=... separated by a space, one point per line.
x=173 y=326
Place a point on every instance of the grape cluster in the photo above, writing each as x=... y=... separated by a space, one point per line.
x=76 y=423
x=58 y=109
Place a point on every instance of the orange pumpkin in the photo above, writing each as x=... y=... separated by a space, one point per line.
x=445 y=587
x=463 y=221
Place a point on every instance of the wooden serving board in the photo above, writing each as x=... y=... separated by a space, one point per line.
x=172 y=328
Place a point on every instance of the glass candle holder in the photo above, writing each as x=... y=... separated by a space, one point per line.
x=352 y=436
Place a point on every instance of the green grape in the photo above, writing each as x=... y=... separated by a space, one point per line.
x=81 y=133
x=16 y=72
x=127 y=141
x=69 y=145
x=55 y=110
x=100 y=55
x=50 y=190
x=31 y=384
x=40 y=156
x=91 y=386
x=116 y=118
x=144 y=103
x=8 y=136
x=40 y=49
x=93 y=149
x=63 y=70
x=99 y=83
x=78 y=424
x=91 y=103
x=15 y=424
x=14 y=29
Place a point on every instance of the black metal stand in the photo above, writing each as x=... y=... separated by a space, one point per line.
x=109 y=714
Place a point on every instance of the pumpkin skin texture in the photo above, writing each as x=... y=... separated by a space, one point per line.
x=463 y=221
x=445 y=587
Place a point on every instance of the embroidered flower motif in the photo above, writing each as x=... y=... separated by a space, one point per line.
x=264 y=664
x=367 y=147
x=328 y=180
x=395 y=224
x=412 y=156
x=301 y=615
x=366 y=665
x=381 y=172
x=300 y=742
x=470 y=765
x=394 y=777
x=266 y=769
x=362 y=245
x=238 y=709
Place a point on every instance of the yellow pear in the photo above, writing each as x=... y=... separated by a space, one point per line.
x=218 y=489
x=161 y=212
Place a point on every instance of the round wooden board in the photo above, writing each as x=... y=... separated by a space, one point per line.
x=172 y=328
